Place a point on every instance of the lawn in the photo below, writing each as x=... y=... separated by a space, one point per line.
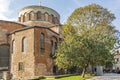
x=75 y=77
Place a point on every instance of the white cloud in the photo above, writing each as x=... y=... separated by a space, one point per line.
x=5 y=11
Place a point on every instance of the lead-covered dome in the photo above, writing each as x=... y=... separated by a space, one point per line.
x=38 y=13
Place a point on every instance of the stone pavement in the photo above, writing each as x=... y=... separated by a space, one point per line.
x=110 y=76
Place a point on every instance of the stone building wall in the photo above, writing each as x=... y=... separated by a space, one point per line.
x=34 y=63
x=24 y=14
x=43 y=61
x=10 y=26
x=116 y=66
x=27 y=57
x=3 y=35
x=5 y=28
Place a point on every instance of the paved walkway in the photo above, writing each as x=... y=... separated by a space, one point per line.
x=110 y=76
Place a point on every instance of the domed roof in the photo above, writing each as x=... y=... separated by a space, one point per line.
x=36 y=8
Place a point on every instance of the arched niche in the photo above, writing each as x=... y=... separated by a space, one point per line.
x=4 y=55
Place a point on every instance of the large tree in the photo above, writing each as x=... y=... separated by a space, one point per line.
x=88 y=38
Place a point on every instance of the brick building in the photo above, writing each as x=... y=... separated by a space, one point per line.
x=27 y=46
x=116 y=65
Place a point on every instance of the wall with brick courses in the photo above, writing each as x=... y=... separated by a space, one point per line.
x=38 y=23
x=10 y=26
x=43 y=62
x=24 y=14
x=53 y=27
x=26 y=57
x=35 y=63
x=5 y=28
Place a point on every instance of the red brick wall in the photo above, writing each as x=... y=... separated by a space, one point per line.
x=24 y=18
x=44 y=58
x=10 y=26
x=5 y=28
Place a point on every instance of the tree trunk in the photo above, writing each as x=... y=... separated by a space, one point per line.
x=92 y=67
x=83 y=72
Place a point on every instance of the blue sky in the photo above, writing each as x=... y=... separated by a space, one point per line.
x=9 y=8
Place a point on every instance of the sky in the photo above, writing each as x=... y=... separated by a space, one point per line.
x=9 y=8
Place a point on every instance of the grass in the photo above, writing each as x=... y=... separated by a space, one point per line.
x=74 y=77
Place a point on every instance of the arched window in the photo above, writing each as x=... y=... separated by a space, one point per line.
x=20 y=66
x=4 y=55
x=24 y=44
x=25 y=16
x=42 y=42
x=53 y=47
x=46 y=16
x=38 y=15
x=53 y=19
x=31 y=15
x=13 y=46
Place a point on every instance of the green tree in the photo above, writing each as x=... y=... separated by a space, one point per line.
x=88 y=38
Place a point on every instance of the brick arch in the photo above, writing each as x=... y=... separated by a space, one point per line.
x=39 y=15
x=22 y=18
x=42 y=42
x=46 y=13
x=52 y=19
x=54 y=43
x=31 y=15
x=25 y=16
x=46 y=16
x=56 y=20
x=24 y=44
x=54 y=38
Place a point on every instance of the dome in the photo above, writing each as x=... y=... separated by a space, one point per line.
x=38 y=13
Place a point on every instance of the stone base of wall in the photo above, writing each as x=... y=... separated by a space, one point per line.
x=6 y=75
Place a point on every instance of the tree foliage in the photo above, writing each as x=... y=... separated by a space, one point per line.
x=88 y=38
